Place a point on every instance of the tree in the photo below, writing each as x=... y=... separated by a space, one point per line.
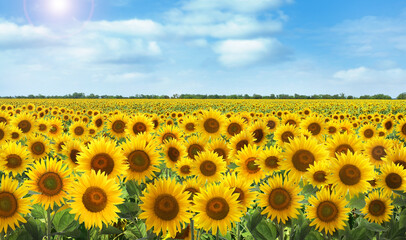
x=402 y=96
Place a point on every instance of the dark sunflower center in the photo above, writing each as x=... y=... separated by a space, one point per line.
x=42 y=127
x=13 y=161
x=99 y=123
x=378 y=152
x=3 y=120
x=350 y=174
x=73 y=156
x=302 y=159
x=286 y=136
x=327 y=211
x=332 y=129
x=94 y=199
x=388 y=125
x=377 y=208
x=50 y=184
x=166 y=207
x=368 y=133
x=320 y=176
x=185 y=169
x=314 y=128
x=25 y=126
x=279 y=199
x=155 y=123
x=252 y=167
x=118 y=126
x=211 y=125
x=139 y=127
x=38 y=148
x=173 y=154
x=139 y=161
x=53 y=128
x=102 y=162
x=15 y=135
x=168 y=136
x=258 y=135
x=8 y=205
x=393 y=180
x=79 y=130
x=241 y=195
x=190 y=126
x=344 y=148
x=192 y=190
x=217 y=208
x=403 y=129
x=193 y=150
x=272 y=162
x=291 y=122
x=401 y=162
x=221 y=153
x=241 y=144
x=1 y=134
x=208 y=168
x=271 y=124
x=372 y=182
x=234 y=128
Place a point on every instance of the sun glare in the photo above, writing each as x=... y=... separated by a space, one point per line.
x=59 y=6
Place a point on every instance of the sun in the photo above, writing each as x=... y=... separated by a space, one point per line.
x=59 y=6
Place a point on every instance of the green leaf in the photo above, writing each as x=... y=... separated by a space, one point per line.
x=63 y=220
x=138 y=230
x=110 y=230
x=19 y=233
x=265 y=229
x=38 y=211
x=132 y=188
x=35 y=228
x=357 y=201
x=314 y=236
x=374 y=227
x=402 y=219
x=253 y=220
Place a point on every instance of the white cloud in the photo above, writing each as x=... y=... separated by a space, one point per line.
x=237 y=53
x=368 y=75
x=25 y=36
x=132 y=27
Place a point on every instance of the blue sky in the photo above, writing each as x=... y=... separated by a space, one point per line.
x=133 y=47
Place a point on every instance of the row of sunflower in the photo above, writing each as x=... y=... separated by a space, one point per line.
x=203 y=174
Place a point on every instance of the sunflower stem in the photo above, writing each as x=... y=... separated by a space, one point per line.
x=238 y=230
x=192 y=230
x=49 y=221
x=218 y=234
x=281 y=231
x=2 y=235
x=377 y=235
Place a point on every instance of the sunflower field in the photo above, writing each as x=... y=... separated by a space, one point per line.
x=202 y=169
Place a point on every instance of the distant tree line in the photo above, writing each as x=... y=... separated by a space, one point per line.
x=77 y=95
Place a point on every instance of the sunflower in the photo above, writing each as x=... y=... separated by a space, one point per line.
x=286 y=133
x=194 y=145
x=378 y=208
x=5 y=133
x=217 y=208
x=376 y=150
x=4 y=118
x=155 y=121
x=13 y=205
x=220 y=147
x=94 y=199
x=26 y=123
x=269 y=159
x=291 y=119
x=141 y=158
x=393 y=177
x=315 y=125
x=208 y=167
x=346 y=126
x=327 y=211
x=184 y=167
x=71 y=150
x=280 y=199
x=351 y=173
x=401 y=128
x=300 y=154
x=259 y=131
x=388 y=124
x=332 y=128
x=139 y=124
x=239 y=185
x=102 y=154
x=211 y=124
x=173 y=150
x=165 y=206
x=239 y=141
x=189 y=124
x=15 y=133
x=343 y=143
x=234 y=126
x=42 y=126
x=272 y=123
x=78 y=130
x=117 y=124
x=397 y=156
x=14 y=158
x=247 y=162
x=193 y=186
x=99 y=121
x=317 y=174
x=50 y=179
x=55 y=128
x=367 y=132
x=38 y=147
x=167 y=133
